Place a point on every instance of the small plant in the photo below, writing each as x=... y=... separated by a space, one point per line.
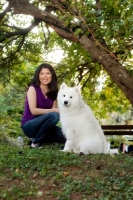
x=116 y=141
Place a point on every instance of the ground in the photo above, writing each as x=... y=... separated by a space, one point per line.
x=48 y=174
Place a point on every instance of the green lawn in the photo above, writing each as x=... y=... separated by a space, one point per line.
x=48 y=174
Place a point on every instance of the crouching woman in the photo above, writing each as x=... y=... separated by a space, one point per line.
x=41 y=115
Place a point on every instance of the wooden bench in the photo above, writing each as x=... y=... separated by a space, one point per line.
x=117 y=129
x=120 y=130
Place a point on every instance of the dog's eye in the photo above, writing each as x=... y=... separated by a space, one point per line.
x=70 y=96
x=64 y=95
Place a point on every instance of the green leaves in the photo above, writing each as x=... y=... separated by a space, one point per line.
x=110 y=25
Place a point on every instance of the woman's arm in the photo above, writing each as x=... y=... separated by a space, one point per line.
x=54 y=104
x=31 y=95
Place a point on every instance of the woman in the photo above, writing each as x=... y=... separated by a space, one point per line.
x=41 y=113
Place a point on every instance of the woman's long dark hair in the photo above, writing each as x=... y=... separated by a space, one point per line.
x=53 y=87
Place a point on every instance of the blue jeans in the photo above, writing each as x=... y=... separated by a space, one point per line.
x=43 y=129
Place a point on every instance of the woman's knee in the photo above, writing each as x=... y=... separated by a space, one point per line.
x=55 y=116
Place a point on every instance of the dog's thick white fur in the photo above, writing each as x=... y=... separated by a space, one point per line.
x=81 y=129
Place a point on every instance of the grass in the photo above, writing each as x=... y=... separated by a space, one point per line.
x=48 y=174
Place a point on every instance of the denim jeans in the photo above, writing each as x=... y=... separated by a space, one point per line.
x=43 y=129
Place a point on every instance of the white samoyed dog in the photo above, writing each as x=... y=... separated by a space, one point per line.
x=81 y=129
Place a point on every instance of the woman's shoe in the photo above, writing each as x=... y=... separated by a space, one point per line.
x=37 y=146
x=30 y=141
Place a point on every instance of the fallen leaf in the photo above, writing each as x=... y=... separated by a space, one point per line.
x=88 y=161
x=66 y=173
x=115 y=187
x=34 y=175
x=123 y=173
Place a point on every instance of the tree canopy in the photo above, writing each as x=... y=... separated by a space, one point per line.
x=95 y=36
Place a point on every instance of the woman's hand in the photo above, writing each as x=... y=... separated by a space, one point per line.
x=55 y=110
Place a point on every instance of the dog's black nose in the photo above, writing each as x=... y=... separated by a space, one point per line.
x=65 y=102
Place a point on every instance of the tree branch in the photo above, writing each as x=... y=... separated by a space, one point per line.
x=20 y=31
x=2 y=15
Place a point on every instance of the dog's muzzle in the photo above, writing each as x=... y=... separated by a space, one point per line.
x=65 y=102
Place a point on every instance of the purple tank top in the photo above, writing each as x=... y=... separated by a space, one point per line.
x=42 y=102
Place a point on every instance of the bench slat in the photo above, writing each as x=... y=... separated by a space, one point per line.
x=116 y=127
x=118 y=132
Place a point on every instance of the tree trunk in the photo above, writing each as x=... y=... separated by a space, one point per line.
x=117 y=72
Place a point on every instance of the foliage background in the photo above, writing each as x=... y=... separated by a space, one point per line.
x=21 y=54
x=26 y=42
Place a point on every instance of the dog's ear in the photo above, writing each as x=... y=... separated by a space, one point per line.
x=77 y=89
x=63 y=85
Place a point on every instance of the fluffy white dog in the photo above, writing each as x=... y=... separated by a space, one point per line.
x=81 y=129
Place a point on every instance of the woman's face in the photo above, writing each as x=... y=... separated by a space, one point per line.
x=45 y=76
